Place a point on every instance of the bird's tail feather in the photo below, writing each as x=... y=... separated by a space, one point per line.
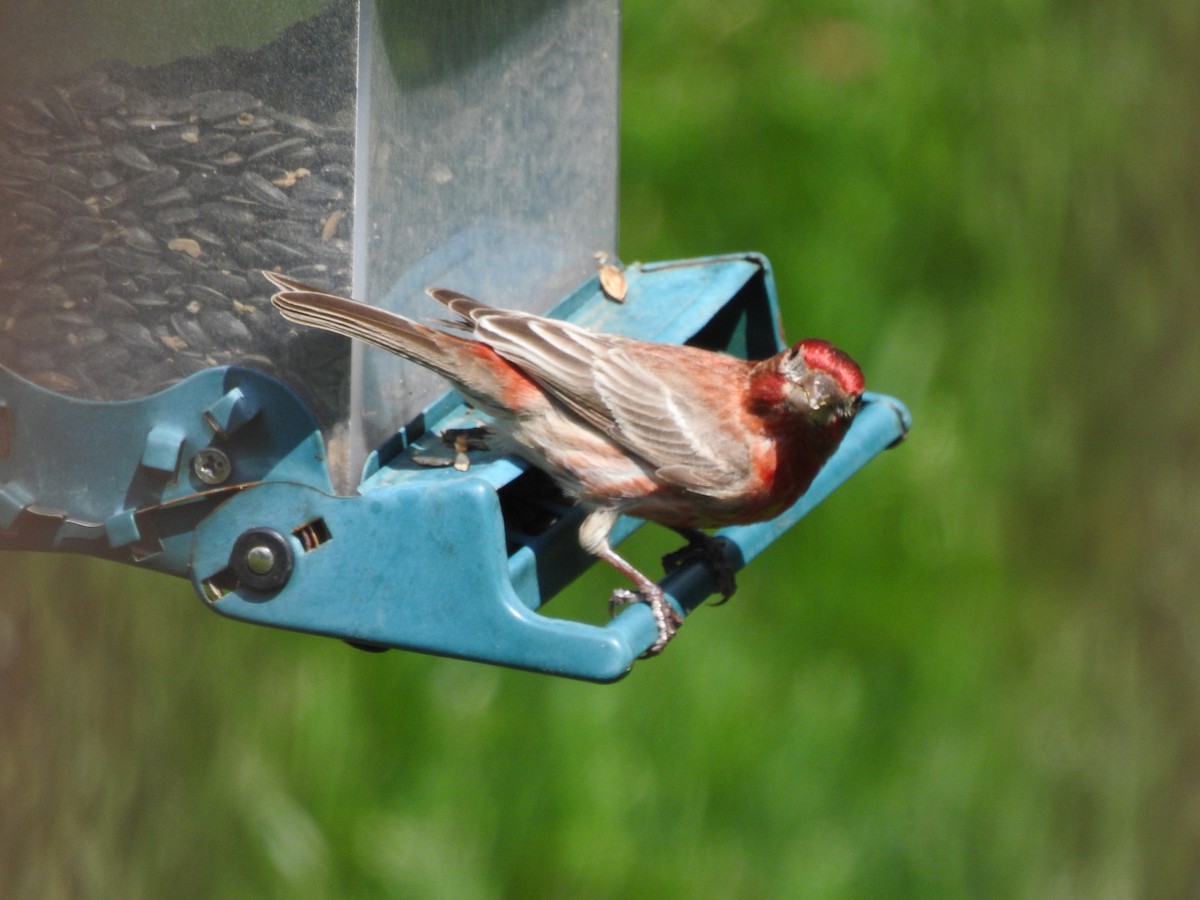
x=307 y=305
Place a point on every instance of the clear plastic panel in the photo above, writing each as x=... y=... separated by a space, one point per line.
x=489 y=159
x=155 y=156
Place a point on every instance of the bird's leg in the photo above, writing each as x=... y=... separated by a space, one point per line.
x=593 y=537
x=709 y=550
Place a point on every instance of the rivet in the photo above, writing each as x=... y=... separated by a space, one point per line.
x=260 y=559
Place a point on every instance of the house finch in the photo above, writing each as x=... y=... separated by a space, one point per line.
x=685 y=437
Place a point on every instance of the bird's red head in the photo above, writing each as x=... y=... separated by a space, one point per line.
x=819 y=381
x=824 y=357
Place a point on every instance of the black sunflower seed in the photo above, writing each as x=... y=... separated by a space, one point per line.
x=131 y=156
x=171 y=197
x=259 y=190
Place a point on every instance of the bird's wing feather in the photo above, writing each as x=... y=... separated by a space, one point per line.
x=670 y=423
x=622 y=387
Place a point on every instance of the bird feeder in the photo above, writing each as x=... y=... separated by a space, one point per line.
x=155 y=411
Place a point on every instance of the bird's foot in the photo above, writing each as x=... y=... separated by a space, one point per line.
x=665 y=617
x=712 y=552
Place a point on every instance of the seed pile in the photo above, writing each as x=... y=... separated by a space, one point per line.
x=133 y=228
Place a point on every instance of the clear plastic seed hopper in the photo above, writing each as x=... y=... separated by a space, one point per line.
x=154 y=410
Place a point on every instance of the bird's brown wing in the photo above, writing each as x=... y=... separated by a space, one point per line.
x=630 y=390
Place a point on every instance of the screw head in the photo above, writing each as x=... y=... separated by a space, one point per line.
x=212 y=466
x=262 y=559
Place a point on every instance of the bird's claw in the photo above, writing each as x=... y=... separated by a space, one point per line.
x=621 y=597
x=712 y=552
x=665 y=617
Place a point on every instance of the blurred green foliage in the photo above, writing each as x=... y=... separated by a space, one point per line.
x=973 y=672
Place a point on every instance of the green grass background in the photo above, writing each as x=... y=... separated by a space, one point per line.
x=974 y=672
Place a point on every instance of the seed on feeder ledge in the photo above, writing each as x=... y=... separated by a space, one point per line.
x=464 y=439
x=612 y=279
x=462 y=462
x=435 y=459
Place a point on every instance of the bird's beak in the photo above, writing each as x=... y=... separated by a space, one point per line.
x=812 y=394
